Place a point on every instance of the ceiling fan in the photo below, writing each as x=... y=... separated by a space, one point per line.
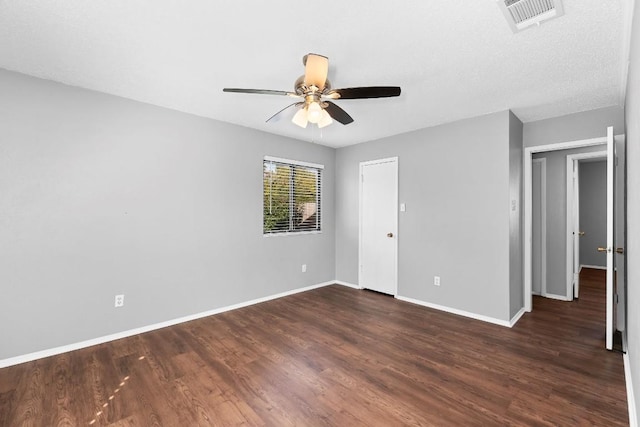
x=315 y=94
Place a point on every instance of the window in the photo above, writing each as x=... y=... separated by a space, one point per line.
x=291 y=196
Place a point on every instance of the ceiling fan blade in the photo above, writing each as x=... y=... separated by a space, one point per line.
x=259 y=91
x=277 y=116
x=316 y=70
x=337 y=113
x=365 y=92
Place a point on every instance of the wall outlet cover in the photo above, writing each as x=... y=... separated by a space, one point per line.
x=119 y=300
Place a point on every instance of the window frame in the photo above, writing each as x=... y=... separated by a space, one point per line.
x=295 y=163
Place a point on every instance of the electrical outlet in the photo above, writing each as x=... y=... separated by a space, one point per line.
x=119 y=300
x=304 y=268
x=436 y=280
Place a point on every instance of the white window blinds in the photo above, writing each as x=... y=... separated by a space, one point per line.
x=292 y=193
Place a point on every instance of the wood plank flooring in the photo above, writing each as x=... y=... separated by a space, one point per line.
x=340 y=357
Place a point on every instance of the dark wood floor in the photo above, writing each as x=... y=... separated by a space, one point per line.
x=336 y=356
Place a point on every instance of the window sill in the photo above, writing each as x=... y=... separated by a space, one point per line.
x=291 y=233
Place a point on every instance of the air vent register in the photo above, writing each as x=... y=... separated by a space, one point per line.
x=521 y=14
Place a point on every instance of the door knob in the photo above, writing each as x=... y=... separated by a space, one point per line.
x=389 y=234
x=620 y=250
x=601 y=249
x=580 y=233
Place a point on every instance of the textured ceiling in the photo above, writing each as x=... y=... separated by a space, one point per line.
x=453 y=59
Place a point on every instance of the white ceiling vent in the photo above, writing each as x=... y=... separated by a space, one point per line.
x=521 y=14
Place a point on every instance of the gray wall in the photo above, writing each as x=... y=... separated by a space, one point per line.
x=557 y=216
x=573 y=127
x=632 y=116
x=454 y=179
x=516 y=216
x=102 y=196
x=593 y=212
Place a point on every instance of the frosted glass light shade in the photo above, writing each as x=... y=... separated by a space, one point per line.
x=325 y=119
x=300 y=118
x=316 y=69
x=314 y=112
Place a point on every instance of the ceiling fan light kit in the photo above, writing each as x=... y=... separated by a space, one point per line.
x=312 y=113
x=316 y=92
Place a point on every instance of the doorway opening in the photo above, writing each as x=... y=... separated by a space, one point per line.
x=585 y=224
x=615 y=235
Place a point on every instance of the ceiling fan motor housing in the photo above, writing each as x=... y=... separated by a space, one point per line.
x=302 y=89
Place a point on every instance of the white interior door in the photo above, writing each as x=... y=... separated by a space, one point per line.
x=379 y=225
x=611 y=175
x=620 y=284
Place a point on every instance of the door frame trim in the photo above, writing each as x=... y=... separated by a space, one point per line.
x=360 y=188
x=573 y=215
x=543 y=223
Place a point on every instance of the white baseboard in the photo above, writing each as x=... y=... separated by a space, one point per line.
x=350 y=285
x=558 y=297
x=517 y=317
x=631 y=401
x=124 y=334
x=596 y=267
x=458 y=312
